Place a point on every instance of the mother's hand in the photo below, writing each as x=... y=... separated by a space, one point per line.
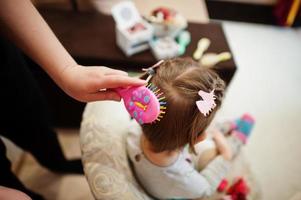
x=95 y=83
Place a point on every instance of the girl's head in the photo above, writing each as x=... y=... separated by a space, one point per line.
x=180 y=80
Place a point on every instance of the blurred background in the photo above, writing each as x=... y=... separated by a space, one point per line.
x=263 y=77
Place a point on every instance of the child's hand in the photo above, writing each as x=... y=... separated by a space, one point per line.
x=222 y=146
x=94 y=83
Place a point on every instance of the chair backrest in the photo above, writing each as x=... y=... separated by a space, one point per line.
x=102 y=139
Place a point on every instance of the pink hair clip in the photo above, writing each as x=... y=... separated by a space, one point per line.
x=207 y=104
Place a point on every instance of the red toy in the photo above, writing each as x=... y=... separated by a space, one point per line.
x=239 y=190
x=167 y=13
x=222 y=186
x=286 y=11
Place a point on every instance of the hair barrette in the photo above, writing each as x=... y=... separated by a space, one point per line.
x=151 y=70
x=207 y=103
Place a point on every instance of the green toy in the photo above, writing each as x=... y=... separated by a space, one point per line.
x=183 y=39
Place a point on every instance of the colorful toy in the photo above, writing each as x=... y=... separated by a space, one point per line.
x=144 y=103
x=239 y=190
x=167 y=22
x=164 y=48
x=223 y=185
x=244 y=126
x=132 y=32
x=203 y=45
x=286 y=12
x=161 y=14
x=240 y=128
x=183 y=39
x=211 y=59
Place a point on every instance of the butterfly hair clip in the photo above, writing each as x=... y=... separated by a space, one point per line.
x=207 y=103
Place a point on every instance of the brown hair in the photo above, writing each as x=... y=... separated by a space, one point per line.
x=180 y=80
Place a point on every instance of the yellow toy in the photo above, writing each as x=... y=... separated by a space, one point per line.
x=209 y=59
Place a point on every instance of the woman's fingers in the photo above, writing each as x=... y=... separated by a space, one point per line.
x=12 y=194
x=94 y=83
x=103 y=95
x=116 y=81
x=109 y=71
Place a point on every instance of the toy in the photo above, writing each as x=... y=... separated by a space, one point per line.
x=136 y=28
x=183 y=39
x=208 y=59
x=222 y=186
x=144 y=104
x=203 y=45
x=244 y=126
x=286 y=12
x=167 y=22
x=132 y=32
x=240 y=128
x=211 y=59
x=207 y=150
x=164 y=48
x=239 y=190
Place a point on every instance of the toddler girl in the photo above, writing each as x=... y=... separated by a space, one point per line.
x=158 y=152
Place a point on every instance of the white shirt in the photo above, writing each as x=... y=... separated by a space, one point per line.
x=180 y=179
